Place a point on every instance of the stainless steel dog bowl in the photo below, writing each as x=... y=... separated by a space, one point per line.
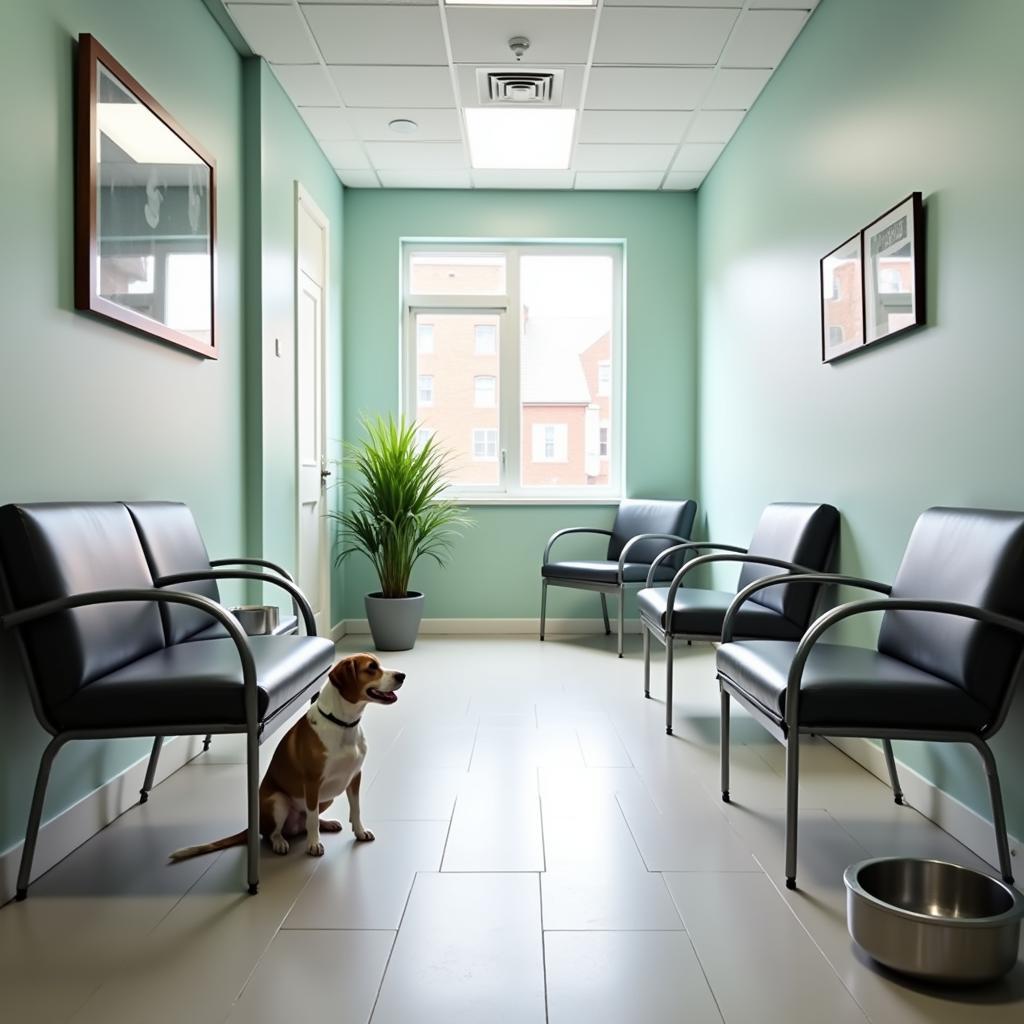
x=934 y=920
x=257 y=619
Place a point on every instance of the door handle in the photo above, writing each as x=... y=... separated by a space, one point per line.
x=324 y=474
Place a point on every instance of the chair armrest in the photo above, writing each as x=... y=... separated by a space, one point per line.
x=568 y=530
x=690 y=545
x=203 y=604
x=845 y=611
x=787 y=578
x=641 y=537
x=237 y=574
x=281 y=571
x=779 y=563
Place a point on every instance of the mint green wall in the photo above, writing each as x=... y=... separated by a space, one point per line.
x=286 y=153
x=495 y=570
x=876 y=99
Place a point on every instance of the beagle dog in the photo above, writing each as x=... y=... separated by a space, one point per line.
x=320 y=757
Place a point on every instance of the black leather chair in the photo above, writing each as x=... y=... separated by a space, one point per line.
x=102 y=661
x=789 y=535
x=641 y=531
x=948 y=656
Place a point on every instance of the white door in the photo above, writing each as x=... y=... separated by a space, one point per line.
x=310 y=317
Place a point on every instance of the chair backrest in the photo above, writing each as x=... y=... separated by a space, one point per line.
x=172 y=543
x=800 y=532
x=638 y=515
x=971 y=556
x=55 y=550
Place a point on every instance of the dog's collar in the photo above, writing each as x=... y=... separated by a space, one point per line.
x=338 y=721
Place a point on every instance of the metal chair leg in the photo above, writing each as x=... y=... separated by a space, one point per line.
x=647 y=659
x=543 y=606
x=724 y=745
x=998 y=813
x=604 y=615
x=792 y=804
x=252 y=766
x=622 y=616
x=894 y=779
x=147 y=784
x=206 y=742
x=35 y=815
x=668 y=684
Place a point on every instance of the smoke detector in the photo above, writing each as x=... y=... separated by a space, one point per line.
x=519 y=45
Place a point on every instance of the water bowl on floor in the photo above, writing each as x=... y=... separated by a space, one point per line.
x=933 y=920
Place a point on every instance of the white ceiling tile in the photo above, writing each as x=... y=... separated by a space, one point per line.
x=346 y=154
x=523 y=179
x=622 y=158
x=714 y=125
x=328 y=124
x=735 y=89
x=797 y=5
x=557 y=36
x=647 y=88
x=357 y=179
x=425 y=179
x=762 y=38
x=696 y=156
x=662 y=35
x=737 y=4
x=431 y=125
x=572 y=84
x=275 y=32
x=307 y=85
x=633 y=125
x=352 y=34
x=684 y=180
x=412 y=156
x=394 y=87
x=617 y=180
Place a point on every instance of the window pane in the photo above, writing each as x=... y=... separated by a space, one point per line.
x=567 y=388
x=485 y=339
x=457 y=273
x=462 y=409
x=425 y=337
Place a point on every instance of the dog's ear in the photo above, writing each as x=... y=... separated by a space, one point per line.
x=344 y=676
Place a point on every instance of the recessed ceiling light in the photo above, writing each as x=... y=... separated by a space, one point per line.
x=526 y=140
x=403 y=126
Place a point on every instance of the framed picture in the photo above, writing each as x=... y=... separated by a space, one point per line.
x=842 y=300
x=145 y=196
x=894 y=271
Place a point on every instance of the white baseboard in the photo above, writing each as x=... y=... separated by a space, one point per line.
x=71 y=827
x=502 y=627
x=337 y=631
x=962 y=823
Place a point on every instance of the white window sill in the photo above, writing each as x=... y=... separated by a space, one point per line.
x=607 y=501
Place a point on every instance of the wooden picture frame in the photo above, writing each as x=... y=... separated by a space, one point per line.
x=145 y=210
x=841 y=280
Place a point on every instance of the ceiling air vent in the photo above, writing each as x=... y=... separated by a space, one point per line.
x=519 y=87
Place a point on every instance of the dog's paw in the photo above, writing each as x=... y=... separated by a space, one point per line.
x=364 y=835
x=280 y=844
x=330 y=825
x=315 y=849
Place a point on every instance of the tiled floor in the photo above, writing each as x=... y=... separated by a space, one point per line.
x=544 y=852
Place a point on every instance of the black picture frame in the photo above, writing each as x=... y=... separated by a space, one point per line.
x=841 y=282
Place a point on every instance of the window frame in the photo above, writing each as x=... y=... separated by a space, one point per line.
x=505 y=308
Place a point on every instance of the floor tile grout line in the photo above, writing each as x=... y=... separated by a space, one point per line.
x=391 y=951
x=543 y=949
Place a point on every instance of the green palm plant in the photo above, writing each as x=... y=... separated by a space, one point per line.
x=396 y=513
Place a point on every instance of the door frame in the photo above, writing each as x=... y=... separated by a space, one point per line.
x=303 y=201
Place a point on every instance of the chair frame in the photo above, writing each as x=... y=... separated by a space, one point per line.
x=253 y=727
x=791 y=726
x=664 y=634
x=618 y=588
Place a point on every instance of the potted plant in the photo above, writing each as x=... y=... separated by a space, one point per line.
x=396 y=516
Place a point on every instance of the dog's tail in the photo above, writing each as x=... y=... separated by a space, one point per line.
x=238 y=839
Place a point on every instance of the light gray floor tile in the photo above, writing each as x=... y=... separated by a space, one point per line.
x=606 y=899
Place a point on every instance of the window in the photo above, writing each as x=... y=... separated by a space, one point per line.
x=524 y=383
x=484 y=392
x=835 y=334
x=424 y=339
x=485 y=444
x=485 y=339
x=423 y=435
x=836 y=289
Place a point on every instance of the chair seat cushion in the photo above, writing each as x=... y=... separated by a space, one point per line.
x=198 y=683
x=602 y=572
x=215 y=631
x=702 y=612
x=852 y=687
